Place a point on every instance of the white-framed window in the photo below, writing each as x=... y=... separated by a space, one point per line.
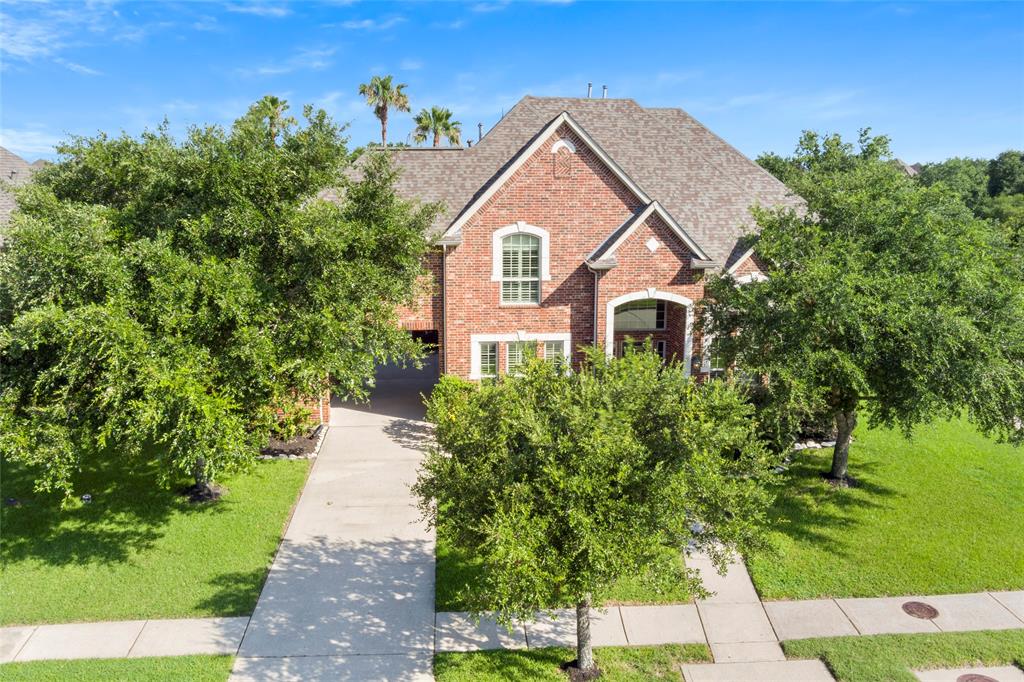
x=488 y=359
x=554 y=350
x=518 y=353
x=644 y=315
x=521 y=263
x=713 y=362
x=518 y=347
x=661 y=348
x=629 y=344
x=520 y=268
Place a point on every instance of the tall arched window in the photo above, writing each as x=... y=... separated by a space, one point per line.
x=520 y=268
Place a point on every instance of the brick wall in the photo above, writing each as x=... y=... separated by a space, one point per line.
x=425 y=312
x=579 y=202
x=749 y=266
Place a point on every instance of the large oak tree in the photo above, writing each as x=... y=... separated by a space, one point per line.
x=883 y=296
x=161 y=298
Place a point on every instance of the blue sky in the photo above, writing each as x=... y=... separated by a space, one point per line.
x=941 y=79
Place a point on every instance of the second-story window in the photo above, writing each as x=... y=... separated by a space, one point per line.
x=520 y=269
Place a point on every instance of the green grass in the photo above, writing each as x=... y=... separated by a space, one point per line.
x=933 y=515
x=457 y=569
x=619 y=664
x=192 y=668
x=892 y=657
x=140 y=550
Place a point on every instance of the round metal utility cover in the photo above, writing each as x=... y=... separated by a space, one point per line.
x=918 y=609
x=976 y=677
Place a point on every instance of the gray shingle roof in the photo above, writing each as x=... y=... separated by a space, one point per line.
x=14 y=171
x=702 y=181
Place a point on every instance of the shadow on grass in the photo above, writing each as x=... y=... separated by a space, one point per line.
x=126 y=514
x=811 y=510
x=236 y=594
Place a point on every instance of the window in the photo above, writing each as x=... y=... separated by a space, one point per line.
x=647 y=314
x=520 y=268
x=628 y=345
x=661 y=348
x=554 y=351
x=518 y=353
x=489 y=359
x=714 y=362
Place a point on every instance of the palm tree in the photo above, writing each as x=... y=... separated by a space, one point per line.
x=438 y=122
x=382 y=95
x=275 y=115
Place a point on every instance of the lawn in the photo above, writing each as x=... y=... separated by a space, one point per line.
x=892 y=657
x=139 y=550
x=456 y=569
x=619 y=664
x=192 y=668
x=928 y=516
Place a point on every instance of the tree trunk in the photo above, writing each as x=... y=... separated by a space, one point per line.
x=384 y=129
x=584 y=647
x=199 y=473
x=845 y=424
x=437 y=138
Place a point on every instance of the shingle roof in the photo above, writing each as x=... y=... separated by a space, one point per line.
x=14 y=171
x=703 y=182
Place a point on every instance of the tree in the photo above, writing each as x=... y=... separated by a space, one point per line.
x=967 y=177
x=159 y=298
x=562 y=482
x=1006 y=174
x=273 y=108
x=383 y=95
x=436 y=122
x=883 y=294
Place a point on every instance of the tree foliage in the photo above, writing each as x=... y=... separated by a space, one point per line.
x=883 y=294
x=383 y=94
x=156 y=292
x=436 y=122
x=563 y=482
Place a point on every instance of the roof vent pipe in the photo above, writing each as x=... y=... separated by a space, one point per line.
x=604 y=92
x=590 y=89
x=479 y=131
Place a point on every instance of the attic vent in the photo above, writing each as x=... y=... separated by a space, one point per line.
x=563 y=151
x=563 y=144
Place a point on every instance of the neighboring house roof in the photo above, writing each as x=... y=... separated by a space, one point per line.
x=14 y=171
x=703 y=183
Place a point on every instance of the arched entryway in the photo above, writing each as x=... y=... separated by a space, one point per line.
x=644 y=304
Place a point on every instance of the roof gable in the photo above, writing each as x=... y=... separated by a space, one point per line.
x=517 y=161
x=605 y=252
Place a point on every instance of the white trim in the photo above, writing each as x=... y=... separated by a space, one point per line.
x=563 y=144
x=653 y=207
x=476 y=339
x=516 y=228
x=752 y=277
x=651 y=292
x=525 y=155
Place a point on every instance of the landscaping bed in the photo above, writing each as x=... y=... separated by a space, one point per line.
x=303 y=446
x=893 y=657
x=192 y=668
x=618 y=664
x=139 y=549
x=927 y=516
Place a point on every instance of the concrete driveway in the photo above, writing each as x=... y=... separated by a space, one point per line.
x=351 y=593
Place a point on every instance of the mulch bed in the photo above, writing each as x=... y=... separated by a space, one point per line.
x=302 y=445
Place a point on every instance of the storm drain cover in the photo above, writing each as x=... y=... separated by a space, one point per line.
x=976 y=677
x=918 y=609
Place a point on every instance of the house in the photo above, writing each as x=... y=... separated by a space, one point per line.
x=14 y=171
x=576 y=222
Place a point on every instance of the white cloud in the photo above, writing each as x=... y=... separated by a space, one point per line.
x=483 y=7
x=371 y=24
x=77 y=68
x=260 y=9
x=450 y=25
x=28 y=143
x=306 y=59
x=410 y=65
x=822 y=105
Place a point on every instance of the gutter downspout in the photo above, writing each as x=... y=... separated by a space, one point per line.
x=597 y=281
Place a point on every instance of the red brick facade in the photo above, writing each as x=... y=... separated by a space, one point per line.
x=579 y=201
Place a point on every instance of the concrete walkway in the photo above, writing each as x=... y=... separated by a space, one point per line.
x=351 y=593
